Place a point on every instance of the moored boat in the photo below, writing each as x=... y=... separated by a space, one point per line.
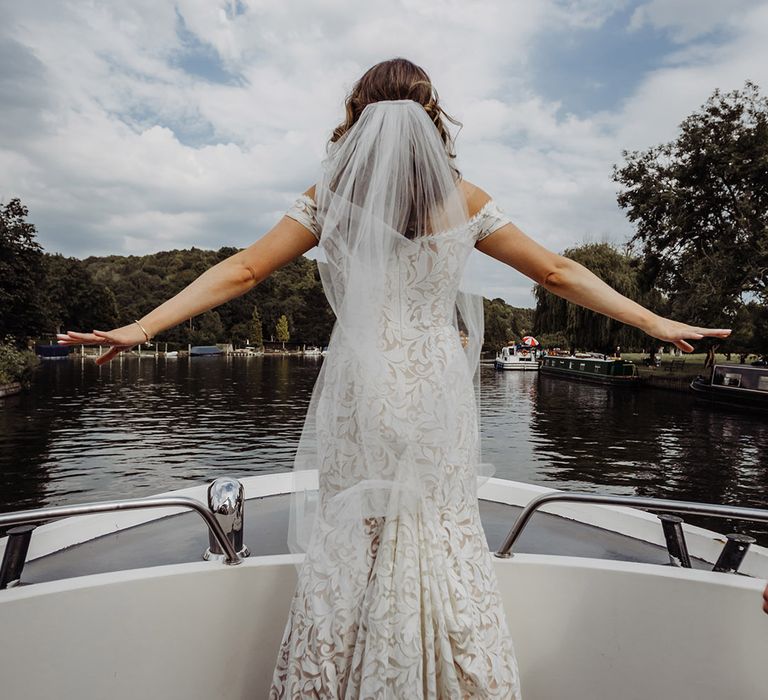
x=517 y=357
x=52 y=352
x=590 y=368
x=734 y=385
x=205 y=350
x=119 y=601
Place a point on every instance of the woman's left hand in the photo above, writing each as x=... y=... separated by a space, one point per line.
x=120 y=339
x=677 y=333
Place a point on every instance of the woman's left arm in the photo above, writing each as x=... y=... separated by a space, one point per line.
x=574 y=282
x=226 y=280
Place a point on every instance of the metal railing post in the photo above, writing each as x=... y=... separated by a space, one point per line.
x=652 y=504
x=15 y=555
x=41 y=515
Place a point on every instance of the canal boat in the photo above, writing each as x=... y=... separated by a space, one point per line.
x=601 y=369
x=517 y=357
x=606 y=596
x=735 y=385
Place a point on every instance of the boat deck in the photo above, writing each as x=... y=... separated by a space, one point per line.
x=182 y=538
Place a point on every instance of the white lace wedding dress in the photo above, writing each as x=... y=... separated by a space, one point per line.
x=421 y=617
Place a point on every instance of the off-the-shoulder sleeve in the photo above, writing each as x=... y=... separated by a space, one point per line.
x=489 y=219
x=304 y=210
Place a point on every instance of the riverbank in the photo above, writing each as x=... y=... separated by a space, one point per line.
x=676 y=371
x=9 y=389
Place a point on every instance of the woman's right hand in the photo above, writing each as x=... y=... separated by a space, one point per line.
x=679 y=333
x=123 y=338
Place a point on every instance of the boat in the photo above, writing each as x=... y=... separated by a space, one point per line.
x=604 y=598
x=52 y=351
x=312 y=350
x=589 y=367
x=171 y=353
x=734 y=385
x=205 y=350
x=517 y=357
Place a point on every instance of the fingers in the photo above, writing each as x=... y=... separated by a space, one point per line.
x=714 y=332
x=74 y=338
x=685 y=347
x=108 y=355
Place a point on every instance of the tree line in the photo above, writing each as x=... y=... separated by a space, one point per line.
x=699 y=252
x=46 y=293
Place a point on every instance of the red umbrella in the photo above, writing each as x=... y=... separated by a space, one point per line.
x=530 y=341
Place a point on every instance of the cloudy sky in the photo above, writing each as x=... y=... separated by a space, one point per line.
x=139 y=126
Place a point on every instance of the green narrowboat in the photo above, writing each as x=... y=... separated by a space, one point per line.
x=599 y=369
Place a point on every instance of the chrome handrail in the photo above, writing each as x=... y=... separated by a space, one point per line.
x=654 y=504
x=22 y=517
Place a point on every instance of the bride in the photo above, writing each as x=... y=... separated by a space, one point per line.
x=396 y=594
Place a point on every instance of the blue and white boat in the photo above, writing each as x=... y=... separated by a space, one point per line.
x=517 y=357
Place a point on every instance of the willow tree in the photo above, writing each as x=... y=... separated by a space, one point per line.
x=700 y=207
x=582 y=328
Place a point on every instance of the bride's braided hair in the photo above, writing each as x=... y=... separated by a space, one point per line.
x=397 y=79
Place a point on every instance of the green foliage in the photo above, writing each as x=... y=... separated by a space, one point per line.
x=209 y=330
x=74 y=300
x=256 y=331
x=16 y=365
x=700 y=206
x=750 y=330
x=42 y=294
x=581 y=328
x=504 y=323
x=142 y=282
x=22 y=309
x=281 y=330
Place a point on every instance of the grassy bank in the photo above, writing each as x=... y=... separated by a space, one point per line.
x=675 y=377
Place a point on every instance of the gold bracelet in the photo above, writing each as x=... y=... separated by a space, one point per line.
x=143 y=330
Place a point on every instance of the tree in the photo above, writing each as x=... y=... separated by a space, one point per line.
x=209 y=329
x=73 y=299
x=700 y=206
x=504 y=323
x=22 y=312
x=281 y=330
x=257 y=335
x=584 y=328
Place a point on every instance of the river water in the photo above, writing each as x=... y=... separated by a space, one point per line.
x=138 y=426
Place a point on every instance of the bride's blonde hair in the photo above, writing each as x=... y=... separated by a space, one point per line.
x=397 y=79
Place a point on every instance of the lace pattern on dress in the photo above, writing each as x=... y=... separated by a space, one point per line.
x=490 y=218
x=417 y=614
x=304 y=210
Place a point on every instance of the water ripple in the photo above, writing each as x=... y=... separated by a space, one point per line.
x=137 y=427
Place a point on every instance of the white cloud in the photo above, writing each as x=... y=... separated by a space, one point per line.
x=112 y=135
x=688 y=19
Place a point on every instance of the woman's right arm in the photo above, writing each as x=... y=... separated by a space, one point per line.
x=574 y=282
x=228 y=279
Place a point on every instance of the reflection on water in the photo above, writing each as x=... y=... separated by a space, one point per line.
x=139 y=426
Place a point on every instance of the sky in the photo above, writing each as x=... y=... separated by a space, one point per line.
x=129 y=128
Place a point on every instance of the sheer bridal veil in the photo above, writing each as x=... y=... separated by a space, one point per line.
x=384 y=414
